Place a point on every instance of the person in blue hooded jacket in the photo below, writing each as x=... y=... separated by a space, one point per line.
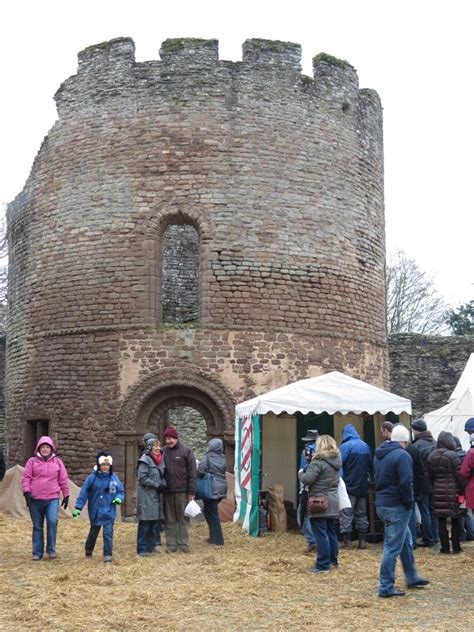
x=356 y=466
x=102 y=491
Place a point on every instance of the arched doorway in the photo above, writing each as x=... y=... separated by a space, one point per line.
x=203 y=407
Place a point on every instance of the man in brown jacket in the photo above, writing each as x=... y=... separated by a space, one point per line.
x=180 y=477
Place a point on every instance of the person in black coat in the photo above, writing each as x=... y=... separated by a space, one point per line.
x=445 y=475
x=418 y=474
x=425 y=443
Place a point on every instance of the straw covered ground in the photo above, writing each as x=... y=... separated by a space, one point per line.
x=250 y=584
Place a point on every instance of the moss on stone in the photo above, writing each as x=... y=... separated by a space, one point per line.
x=105 y=45
x=273 y=45
x=329 y=59
x=180 y=43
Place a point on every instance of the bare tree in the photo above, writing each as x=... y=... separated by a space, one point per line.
x=413 y=303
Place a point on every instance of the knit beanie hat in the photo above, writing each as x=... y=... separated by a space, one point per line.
x=148 y=436
x=400 y=433
x=171 y=432
x=469 y=425
x=419 y=424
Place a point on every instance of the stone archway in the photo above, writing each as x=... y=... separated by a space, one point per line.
x=145 y=410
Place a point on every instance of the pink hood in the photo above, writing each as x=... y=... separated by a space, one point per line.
x=46 y=440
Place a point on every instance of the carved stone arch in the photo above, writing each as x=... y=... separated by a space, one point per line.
x=168 y=388
x=162 y=390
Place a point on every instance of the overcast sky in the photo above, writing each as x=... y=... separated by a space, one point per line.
x=417 y=54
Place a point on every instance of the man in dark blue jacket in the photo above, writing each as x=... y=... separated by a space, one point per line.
x=356 y=464
x=393 y=469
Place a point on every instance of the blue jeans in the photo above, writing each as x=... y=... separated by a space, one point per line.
x=39 y=510
x=308 y=532
x=107 y=534
x=397 y=543
x=148 y=536
x=429 y=522
x=412 y=525
x=324 y=531
x=211 y=514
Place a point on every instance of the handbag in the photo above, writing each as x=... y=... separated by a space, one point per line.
x=204 y=487
x=317 y=504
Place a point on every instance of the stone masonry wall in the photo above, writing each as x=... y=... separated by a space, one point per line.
x=281 y=176
x=426 y=369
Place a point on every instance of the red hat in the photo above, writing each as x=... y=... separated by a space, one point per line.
x=171 y=432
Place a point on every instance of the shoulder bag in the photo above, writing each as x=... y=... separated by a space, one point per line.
x=204 y=486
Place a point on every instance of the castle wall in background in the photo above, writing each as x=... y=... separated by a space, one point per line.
x=426 y=369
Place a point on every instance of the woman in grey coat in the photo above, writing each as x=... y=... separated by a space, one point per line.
x=322 y=477
x=151 y=484
x=214 y=462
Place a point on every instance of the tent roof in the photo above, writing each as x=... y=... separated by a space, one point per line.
x=332 y=392
x=465 y=381
x=452 y=417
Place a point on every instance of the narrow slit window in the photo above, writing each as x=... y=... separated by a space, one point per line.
x=180 y=274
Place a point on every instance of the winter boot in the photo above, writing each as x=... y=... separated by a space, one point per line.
x=444 y=544
x=456 y=545
x=362 y=540
x=347 y=541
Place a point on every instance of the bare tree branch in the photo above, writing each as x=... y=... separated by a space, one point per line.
x=413 y=303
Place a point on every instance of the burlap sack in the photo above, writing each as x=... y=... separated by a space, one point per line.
x=276 y=508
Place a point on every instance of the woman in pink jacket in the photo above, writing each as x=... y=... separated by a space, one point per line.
x=44 y=479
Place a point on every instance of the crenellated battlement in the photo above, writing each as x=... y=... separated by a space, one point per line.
x=269 y=69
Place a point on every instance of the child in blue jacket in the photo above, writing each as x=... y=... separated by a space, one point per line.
x=103 y=491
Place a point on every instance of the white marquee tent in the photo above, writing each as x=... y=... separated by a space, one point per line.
x=453 y=416
x=266 y=435
x=332 y=392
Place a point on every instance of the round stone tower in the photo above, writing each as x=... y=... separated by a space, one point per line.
x=193 y=232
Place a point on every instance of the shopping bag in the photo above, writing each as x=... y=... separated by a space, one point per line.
x=344 y=501
x=192 y=509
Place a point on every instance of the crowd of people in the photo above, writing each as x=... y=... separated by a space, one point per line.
x=166 y=481
x=432 y=478
x=425 y=478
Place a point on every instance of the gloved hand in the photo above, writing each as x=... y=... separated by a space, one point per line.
x=27 y=496
x=65 y=502
x=116 y=501
x=76 y=513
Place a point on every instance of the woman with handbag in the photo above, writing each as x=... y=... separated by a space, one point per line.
x=322 y=476
x=444 y=470
x=212 y=466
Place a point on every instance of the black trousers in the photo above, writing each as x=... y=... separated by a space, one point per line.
x=444 y=535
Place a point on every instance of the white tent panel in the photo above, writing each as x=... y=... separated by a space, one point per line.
x=332 y=392
x=465 y=381
x=452 y=417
